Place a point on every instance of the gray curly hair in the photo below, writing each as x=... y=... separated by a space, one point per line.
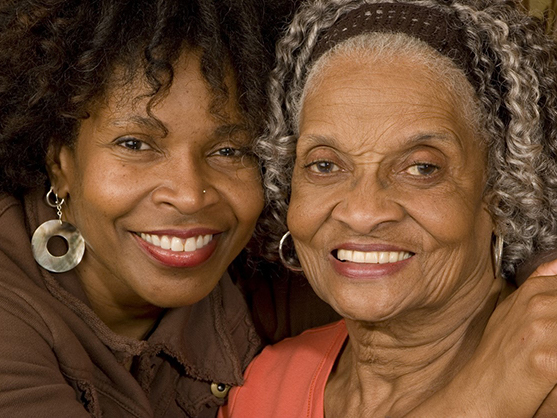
x=515 y=66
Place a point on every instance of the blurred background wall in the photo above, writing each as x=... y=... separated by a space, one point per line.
x=545 y=9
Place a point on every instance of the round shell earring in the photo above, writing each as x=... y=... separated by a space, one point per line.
x=57 y=228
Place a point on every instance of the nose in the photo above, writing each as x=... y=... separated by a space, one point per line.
x=367 y=205
x=185 y=185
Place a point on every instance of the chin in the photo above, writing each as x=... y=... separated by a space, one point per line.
x=176 y=297
x=370 y=311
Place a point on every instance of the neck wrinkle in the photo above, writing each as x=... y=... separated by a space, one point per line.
x=388 y=368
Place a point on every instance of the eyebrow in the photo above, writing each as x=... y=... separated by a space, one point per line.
x=414 y=140
x=231 y=129
x=155 y=124
x=437 y=136
x=426 y=136
x=320 y=140
x=146 y=122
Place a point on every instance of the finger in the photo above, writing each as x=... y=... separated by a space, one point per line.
x=549 y=407
x=546 y=269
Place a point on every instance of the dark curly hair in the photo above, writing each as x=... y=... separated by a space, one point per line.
x=57 y=56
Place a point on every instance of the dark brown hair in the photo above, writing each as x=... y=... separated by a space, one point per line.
x=57 y=56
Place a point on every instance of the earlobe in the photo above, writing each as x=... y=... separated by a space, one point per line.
x=59 y=164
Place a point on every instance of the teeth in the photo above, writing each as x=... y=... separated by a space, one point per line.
x=177 y=244
x=372 y=257
x=165 y=243
x=359 y=257
x=190 y=244
x=155 y=239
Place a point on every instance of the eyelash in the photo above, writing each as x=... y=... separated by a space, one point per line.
x=138 y=144
x=237 y=152
x=313 y=167
x=423 y=164
x=332 y=167
x=121 y=142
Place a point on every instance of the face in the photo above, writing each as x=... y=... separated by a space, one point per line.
x=162 y=215
x=386 y=212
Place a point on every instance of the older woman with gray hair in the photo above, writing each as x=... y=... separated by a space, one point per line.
x=413 y=144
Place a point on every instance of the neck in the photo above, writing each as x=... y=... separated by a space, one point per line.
x=129 y=321
x=388 y=368
x=121 y=310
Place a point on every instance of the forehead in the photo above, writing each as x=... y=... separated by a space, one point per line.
x=186 y=111
x=126 y=99
x=362 y=98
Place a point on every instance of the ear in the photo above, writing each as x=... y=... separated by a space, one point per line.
x=60 y=165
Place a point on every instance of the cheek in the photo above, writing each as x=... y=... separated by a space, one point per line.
x=310 y=207
x=449 y=212
x=107 y=191
x=302 y=214
x=245 y=194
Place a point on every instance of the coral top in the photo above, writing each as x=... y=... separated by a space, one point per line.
x=288 y=379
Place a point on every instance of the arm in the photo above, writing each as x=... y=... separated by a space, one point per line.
x=31 y=383
x=514 y=369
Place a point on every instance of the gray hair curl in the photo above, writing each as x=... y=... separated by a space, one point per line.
x=516 y=66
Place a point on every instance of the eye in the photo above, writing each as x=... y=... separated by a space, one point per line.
x=323 y=167
x=133 y=144
x=229 y=152
x=422 y=169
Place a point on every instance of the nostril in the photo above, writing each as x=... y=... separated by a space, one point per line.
x=187 y=197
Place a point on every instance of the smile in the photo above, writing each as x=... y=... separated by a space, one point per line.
x=177 y=244
x=372 y=257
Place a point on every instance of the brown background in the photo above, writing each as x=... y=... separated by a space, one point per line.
x=545 y=9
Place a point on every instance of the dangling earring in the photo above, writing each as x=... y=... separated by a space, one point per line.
x=497 y=249
x=57 y=228
x=287 y=261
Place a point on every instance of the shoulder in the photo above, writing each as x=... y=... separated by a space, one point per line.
x=297 y=357
x=310 y=344
x=284 y=377
x=6 y=202
x=19 y=293
x=12 y=220
x=29 y=315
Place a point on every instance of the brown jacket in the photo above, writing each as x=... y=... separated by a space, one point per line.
x=57 y=359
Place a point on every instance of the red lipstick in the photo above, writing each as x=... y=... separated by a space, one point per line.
x=179 y=259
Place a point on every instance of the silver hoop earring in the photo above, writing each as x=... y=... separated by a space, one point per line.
x=287 y=261
x=57 y=228
x=497 y=249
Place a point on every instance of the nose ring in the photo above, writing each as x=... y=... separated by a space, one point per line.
x=204 y=191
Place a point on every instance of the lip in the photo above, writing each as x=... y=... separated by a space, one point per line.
x=369 y=247
x=180 y=259
x=369 y=271
x=180 y=233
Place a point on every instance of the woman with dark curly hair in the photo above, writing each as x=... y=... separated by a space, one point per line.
x=411 y=156
x=127 y=189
